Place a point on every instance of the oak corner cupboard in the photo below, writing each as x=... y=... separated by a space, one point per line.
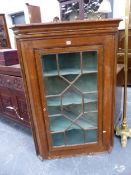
x=69 y=71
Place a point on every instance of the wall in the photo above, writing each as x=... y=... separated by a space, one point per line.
x=119 y=11
x=49 y=9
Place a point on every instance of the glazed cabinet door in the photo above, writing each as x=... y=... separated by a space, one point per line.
x=71 y=91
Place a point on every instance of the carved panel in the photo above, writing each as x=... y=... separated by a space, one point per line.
x=7 y=102
x=1 y=107
x=11 y=82
x=22 y=109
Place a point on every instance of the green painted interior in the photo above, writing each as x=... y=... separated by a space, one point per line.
x=70 y=81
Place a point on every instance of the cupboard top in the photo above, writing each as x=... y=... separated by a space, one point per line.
x=62 y=28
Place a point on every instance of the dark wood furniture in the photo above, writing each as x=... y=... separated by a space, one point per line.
x=4 y=37
x=34 y=13
x=69 y=72
x=120 y=54
x=8 y=57
x=12 y=97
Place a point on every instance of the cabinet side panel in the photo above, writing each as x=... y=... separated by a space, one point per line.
x=109 y=90
x=28 y=72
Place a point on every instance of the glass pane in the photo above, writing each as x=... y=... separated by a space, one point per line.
x=71 y=96
x=91 y=106
x=89 y=61
x=59 y=123
x=72 y=110
x=87 y=82
x=54 y=85
x=74 y=135
x=49 y=65
x=69 y=64
x=54 y=105
x=58 y=139
x=70 y=82
x=70 y=11
x=90 y=97
x=54 y=110
x=91 y=136
x=88 y=120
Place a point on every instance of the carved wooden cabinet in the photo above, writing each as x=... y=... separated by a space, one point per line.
x=69 y=72
x=12 y=97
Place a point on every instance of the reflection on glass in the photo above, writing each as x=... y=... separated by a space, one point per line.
x=70 y=11
x=91 y=9
x=70 y=81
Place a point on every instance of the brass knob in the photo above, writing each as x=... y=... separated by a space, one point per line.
x=44 y=109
